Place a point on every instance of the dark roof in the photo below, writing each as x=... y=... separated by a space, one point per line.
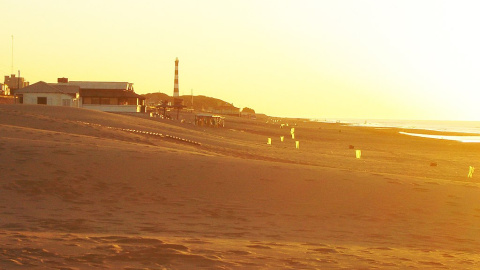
x=62 y=88
x=71 y=89
x=43 y=87
x=100 y=85
x=109 y=93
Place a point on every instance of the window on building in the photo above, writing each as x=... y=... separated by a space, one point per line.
x=66 y=102
x=127 y=101
x=42 y=100
x=132 y=101
x=105 y=101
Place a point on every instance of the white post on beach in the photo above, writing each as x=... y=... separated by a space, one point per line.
x=281 y=138
x=269 y=141
x=297 y=144
x=470 y=172
x=358 y=154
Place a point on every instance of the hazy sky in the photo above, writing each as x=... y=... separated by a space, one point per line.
x=323 y=59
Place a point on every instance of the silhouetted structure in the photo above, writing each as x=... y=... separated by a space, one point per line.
x=228 y=109
x=3 y=89
x=209 y=120
x=14 y=83
x=163 y=106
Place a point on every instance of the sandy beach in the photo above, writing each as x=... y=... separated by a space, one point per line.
x=82 y=189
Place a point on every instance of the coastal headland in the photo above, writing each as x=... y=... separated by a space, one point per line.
x=82 y=189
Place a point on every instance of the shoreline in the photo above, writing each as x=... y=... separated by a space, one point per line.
x=440 y=127
x=460 y=138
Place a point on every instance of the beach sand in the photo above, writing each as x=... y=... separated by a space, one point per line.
x=82 y=189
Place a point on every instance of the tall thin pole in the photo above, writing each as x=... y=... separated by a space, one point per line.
x=12 y=56
x=192 y=98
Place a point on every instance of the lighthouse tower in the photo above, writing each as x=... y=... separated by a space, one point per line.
x=177 y=101
x=175 y=85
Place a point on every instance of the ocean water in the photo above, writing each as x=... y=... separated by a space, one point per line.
x=469 y=128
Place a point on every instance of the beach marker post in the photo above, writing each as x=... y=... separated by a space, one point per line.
x=269 y=141
x=297 y=144
x=470 y=172
x=358 y=154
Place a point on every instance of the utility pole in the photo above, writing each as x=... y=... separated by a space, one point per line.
x=12 y=56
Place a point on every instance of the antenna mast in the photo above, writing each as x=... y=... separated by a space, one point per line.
x=12 y=56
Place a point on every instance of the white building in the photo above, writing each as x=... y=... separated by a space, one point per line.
x=46 y=94
x=102 y=96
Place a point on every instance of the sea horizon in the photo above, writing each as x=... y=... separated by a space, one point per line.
x=447 y=127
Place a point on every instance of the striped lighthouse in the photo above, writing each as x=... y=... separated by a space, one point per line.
x=175 y=85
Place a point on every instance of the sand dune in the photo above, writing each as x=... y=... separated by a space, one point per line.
x=82 y=189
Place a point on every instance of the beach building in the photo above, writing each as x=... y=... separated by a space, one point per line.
x=107 y=96
x=226 y=109
x=209 y=120
x=5 y=99
x=14 y=83
x=101 y=96
x=4 y=89
x=46 y=94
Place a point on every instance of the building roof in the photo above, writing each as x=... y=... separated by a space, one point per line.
x=70 y=89
x=109 y=93
x=101 y=85
x=43 y=87
x=85 y=89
